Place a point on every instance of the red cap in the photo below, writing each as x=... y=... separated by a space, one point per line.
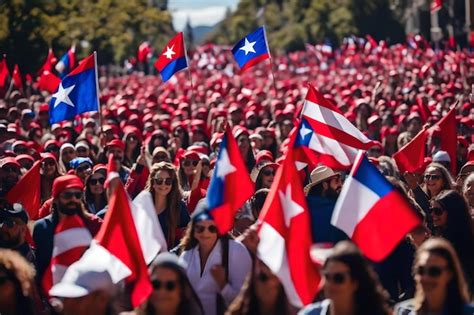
x=9 y=161
x=190 y=155
x=64 y=182
x=116 y=143
x=24 y=156
x=264 y=155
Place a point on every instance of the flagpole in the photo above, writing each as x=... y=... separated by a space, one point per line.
x=271 y=61
x=99 y=109
x=190 y=76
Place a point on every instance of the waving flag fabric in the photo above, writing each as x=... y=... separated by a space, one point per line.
x=371 y=212
x=251 y=49
x=411 y=157
x=77 y=93
x=327 y=136
x=173 y=58
x=67 y=62
x=230 y=176
x=48 y=63
x=448 y=135
x=285 y=234
x=16 y=77
x=4 y=73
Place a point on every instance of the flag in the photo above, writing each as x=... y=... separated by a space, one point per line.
x=71 y=239
x=4 y=73
x=326 y=136
x=77 y=93
x=48 y=63
x=172 y=58
x=144 y=50
x=230 y=175
x=411 y=157
x=436 y=5
x=48 y=81
x=448 y=136
x=67 y=62
x=371 y=212
x=16 y=77
x=285 y=234
x=251 y=49
x=27 y=191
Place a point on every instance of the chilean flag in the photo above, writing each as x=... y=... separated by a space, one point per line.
x=67 y=62
x=251 y=49
x=371 y=212
x=173 y=58
x=230 y=176
x=285 y=234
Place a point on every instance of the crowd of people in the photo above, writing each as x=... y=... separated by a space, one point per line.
x=164 y=140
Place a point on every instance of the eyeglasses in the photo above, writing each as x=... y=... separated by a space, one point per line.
x=336 y=277
x=69 y=194
x=432 y=177
x=160 y=181
x=262 y=277
x=168 y=285
x=431 y=271
x=190 y=162
x=268 y=172
x=81 y=150
x=48 y=163
x=83 y=168
x=95 y=181
x=437 y=211
x=200 y=229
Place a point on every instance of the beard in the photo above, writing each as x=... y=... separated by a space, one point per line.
x=331 y=193
x=70 y=208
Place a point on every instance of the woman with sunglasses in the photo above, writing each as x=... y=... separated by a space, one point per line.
x=189 y=172
x=133 y=144
x=172 y=292
x=262 y=293
x=440 y=285
x=163 y=192
x=241 y=134
x=95 y=196
x=217 y=265
x=452 y=221
x=351 y=285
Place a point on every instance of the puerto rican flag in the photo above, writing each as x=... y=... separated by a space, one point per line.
x=326 y=136
x=251 y=49
x=371 y=212
x=285 y=234
x=173 y=58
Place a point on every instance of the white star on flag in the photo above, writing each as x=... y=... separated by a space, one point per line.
x=224 y=167
x=169 y=52
x=248 y=47
x=304 y=131
x=62 y=95
x=290 y=207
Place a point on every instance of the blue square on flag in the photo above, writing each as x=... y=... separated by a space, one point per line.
x=251 y=49
x=76 y=94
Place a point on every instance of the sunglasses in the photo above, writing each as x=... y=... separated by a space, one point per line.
x=52 y=149
x=336 y=277
x=83 y=168
x=190 y=162
x=432 y=271
x=95 y=181
x=262 y=277
x=160 y=181
x=69 y=194
x=168 y=285
x=160 y=158
x=48 y=163
x=432 y=177
x=268 y=172
x=200 y=229
x=10 y=169
x=437 y=211
x=81 y=150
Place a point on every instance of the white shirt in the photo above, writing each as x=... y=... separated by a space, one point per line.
x=240 y=264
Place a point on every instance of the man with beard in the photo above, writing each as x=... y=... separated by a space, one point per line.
x=13 y=228
x=322 y=193
x=116 y=147
x=10 y=173
x=67 y=201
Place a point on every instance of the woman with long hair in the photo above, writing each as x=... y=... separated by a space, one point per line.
x=172 y=292
x=49 y=171
x=351 y=285
x=188 y=170
x=162 y=191
x=133 y=143
x=66 y=154
x=241 y=134
x=217 y=265
x=440 y=284
x=95 y=196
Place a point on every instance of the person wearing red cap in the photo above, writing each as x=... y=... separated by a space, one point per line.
x=67 y=201
x=133 y=142
x=10 y=173
x=116 y=147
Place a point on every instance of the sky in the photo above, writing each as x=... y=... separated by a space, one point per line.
x=200 y=12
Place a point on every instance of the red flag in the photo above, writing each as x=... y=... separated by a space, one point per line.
x=4 y=73
x=28 y=191
x=48 y=81
x=448 y=136
x=17 y=81
x=48 y=63
x=144 y=51
x=410 y=158
x=285 y=234
x=425 y=112
x=436 y=5
x=118 y=235
x=230 y=175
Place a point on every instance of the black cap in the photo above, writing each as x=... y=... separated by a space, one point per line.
x=13 y=211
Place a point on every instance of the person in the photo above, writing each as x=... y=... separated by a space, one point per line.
x=468 y=192
x=241 y=134
x=95 y=196
x=172 y=292
x=10 y=173
x=321 y=194
x=217 y=265
x=350 y=285
x=116 y=147
x=49 y=171
x=67 y=200
x=160 y=154
x=262 y=175
x=163 y=190
x=262 y=293
x=66 y=154
x=132 y=140
x=440 y=284
x=82 y=167
x=443 y=158
x=187 y=170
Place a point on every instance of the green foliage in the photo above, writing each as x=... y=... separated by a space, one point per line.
x=114 y=28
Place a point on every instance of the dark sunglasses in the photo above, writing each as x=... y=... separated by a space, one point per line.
x=48 y=163
x=262 y=277
x=70 y=194
x=437 y=211
x=11 y=169
x=432 y=177
x=211 y=228
x=190 y=162
x=81 y=149
x=268 y=172
x=94 y=181
x=336 y=278
x=432 y=271
x=52 y=149
x=168 y=285
x=160 y=158
x=83 y=168
x=160 y=181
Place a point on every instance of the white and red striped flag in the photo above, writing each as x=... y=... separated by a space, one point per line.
x=71 y=239
x=326 y=136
